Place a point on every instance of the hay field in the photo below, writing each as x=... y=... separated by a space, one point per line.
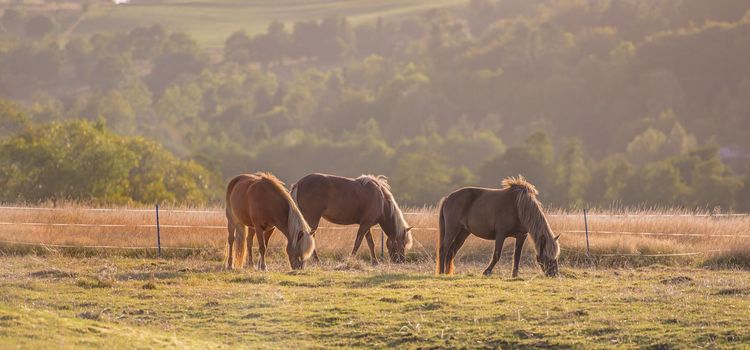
x=616 y=239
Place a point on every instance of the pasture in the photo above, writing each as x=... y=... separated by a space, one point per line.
x=636 y=290
x=65 y=302
x=211 y=22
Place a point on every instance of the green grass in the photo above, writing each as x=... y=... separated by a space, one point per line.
x=211 y=22
x=62 y=302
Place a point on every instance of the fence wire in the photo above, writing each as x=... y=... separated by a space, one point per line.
x=421 y=246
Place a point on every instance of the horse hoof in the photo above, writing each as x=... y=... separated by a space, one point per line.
x=487 y=272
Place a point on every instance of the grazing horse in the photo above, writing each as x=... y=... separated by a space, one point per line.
x=495 y=215
x=365 y=201
x=259 y=203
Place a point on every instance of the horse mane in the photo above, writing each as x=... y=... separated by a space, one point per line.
x=520 y=183
x=531 y=214
x=295 y=222
x=381 y=182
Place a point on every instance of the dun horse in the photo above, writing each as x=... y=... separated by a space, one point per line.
x=366 y=201
x=495 y=215
x=259 y=203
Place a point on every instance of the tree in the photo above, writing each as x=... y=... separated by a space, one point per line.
x=39 y=26
x=422 y=178
x=533 y=160
x=83 y=161
x=12 y=119
x=574 y=174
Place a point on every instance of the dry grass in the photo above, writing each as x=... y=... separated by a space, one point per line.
x=720 y=240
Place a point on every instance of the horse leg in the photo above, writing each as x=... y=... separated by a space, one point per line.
x=230 y=242
x=371 y=244
x=520 y=239
x=458 y=242
x=363 y=229
x=250 y=237
x=267 y=235
x=499 y=240
x=446 y=242
x=262 y=250
x=314 y=227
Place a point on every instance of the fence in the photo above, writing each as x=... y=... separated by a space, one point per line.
x=157 y=226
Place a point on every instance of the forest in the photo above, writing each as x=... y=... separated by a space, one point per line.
x=632 y=103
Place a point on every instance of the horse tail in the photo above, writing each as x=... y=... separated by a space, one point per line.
x=240 y=247
x=441 y=233
x=232 y=227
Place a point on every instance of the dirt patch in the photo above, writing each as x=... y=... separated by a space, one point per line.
x=734 y=291
x=676 y=280
x=53 y=273
x=90 y=315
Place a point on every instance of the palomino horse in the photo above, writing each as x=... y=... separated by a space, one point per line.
x=495 y=215
x=365 y=201
x=259 y=203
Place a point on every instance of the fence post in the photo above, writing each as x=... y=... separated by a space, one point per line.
x=586 y=223
x=158 y=233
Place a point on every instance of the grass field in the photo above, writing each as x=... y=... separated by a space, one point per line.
x=62 y=302
x=211 y=22
x=623 y=296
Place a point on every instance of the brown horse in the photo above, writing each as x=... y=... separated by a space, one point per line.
x=495 y=215
x=259 y=203
x=365 y=201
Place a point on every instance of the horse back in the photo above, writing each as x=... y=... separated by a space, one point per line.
x=338 y=199
x=255 y=201
x=482 y=211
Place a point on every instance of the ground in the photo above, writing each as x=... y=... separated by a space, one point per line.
x=64 y=302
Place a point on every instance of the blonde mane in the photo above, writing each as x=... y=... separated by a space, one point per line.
x=519 y=182
x=381 y=182
x=531 y=213
x=295 y=222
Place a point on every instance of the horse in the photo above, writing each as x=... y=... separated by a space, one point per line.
x=495 y=214
x=259 y=203
x=365 y=201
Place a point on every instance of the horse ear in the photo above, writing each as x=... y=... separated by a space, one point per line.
x=557 y=237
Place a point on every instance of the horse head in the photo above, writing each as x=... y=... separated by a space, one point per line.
x=399 y=244
x=300 y=248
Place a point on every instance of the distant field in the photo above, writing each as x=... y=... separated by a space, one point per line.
x=211 y=22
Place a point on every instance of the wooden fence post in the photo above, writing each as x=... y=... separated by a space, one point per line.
x=586 y=223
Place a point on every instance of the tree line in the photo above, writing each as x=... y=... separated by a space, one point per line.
x=631 y=103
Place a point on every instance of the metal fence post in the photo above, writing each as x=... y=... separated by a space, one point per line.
x=586 y=223
x=158 y=233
